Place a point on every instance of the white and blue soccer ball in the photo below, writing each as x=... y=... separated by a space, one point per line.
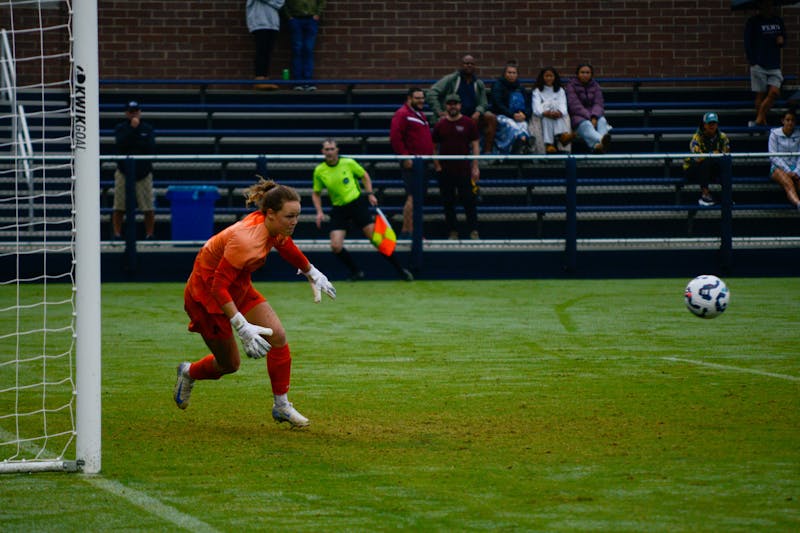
x=707 y=296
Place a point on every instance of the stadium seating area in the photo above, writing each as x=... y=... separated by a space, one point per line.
x=637 y=191
x=521 y=198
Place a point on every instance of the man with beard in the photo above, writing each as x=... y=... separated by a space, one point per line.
x=457 y=134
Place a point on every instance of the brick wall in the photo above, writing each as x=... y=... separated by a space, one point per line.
x=400 y=39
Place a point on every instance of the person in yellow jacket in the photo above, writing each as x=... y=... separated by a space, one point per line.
x=708 y=139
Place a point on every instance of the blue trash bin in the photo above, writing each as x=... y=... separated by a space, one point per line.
x=192 y=209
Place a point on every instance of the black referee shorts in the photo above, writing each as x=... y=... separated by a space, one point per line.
x=356 y=212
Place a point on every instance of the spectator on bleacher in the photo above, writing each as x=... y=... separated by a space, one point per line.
x=474 y=101
x=586 y=107
x=263 y=23
x=410 y=135
x=785 y=170
x=511 y=104
x=456 y=134
x=708 y=139
x=303 y=16
x=342 y=177
x=764 y=35
x=133 y=136
x=550 y=121
x=220 y=297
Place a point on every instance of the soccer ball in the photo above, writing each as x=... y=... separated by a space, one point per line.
x=707 y=296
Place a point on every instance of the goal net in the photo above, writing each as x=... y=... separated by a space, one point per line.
x=49 y=237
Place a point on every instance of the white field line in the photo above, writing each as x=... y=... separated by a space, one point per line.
x=150 y=504
x=734 y=368
x=137 y=498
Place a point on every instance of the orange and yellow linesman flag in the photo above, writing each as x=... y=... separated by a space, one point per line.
x=383 y=238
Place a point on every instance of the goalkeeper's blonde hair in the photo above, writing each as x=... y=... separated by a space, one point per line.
x=266 y=194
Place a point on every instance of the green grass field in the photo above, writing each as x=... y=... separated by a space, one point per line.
x=450 y=406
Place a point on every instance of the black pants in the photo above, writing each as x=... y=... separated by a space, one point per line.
x=705 y=172
x=449 y=185
x=265 y=42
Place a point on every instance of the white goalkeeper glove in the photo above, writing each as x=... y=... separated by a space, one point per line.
x=255 y=346
x=319 y=284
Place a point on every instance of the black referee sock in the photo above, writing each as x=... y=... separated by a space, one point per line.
x=395 y=263
x=345 y=257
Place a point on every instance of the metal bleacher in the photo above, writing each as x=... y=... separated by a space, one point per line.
x=619 y=196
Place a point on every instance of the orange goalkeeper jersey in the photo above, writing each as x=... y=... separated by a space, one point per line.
x=223 y=266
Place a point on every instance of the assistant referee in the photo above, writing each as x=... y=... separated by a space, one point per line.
x=342 y=177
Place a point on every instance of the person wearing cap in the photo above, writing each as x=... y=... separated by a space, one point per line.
x=134 y=136
x=785 y=170
x=474 y=100
x=457 y=134
x=704 y=170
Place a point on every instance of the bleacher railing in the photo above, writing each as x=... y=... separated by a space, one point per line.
x=571 y=208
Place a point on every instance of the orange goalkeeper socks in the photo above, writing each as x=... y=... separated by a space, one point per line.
x=279 y=367
x=204 y=369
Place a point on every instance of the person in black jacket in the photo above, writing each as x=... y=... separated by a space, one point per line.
x=511 y=103
x=134 y=137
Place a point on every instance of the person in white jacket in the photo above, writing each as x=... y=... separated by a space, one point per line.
x=785 y=170
x=549 y=105
x=263 y=23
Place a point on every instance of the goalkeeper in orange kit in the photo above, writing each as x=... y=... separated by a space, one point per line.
x=220 y=298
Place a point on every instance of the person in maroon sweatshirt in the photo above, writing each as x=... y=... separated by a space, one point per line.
x=410 y=135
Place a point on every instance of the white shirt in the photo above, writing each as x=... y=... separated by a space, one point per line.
x=549 y=100
x=779 y=142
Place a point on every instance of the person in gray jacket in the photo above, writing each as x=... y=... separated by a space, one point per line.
x=263 y=22
x=474 y=102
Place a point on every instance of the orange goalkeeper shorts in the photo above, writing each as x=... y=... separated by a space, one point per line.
x=217 y=325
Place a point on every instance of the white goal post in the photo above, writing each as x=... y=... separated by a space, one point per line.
x=50 y=338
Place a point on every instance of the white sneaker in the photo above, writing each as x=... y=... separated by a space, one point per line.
x=287 y=413
x=183 y=387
